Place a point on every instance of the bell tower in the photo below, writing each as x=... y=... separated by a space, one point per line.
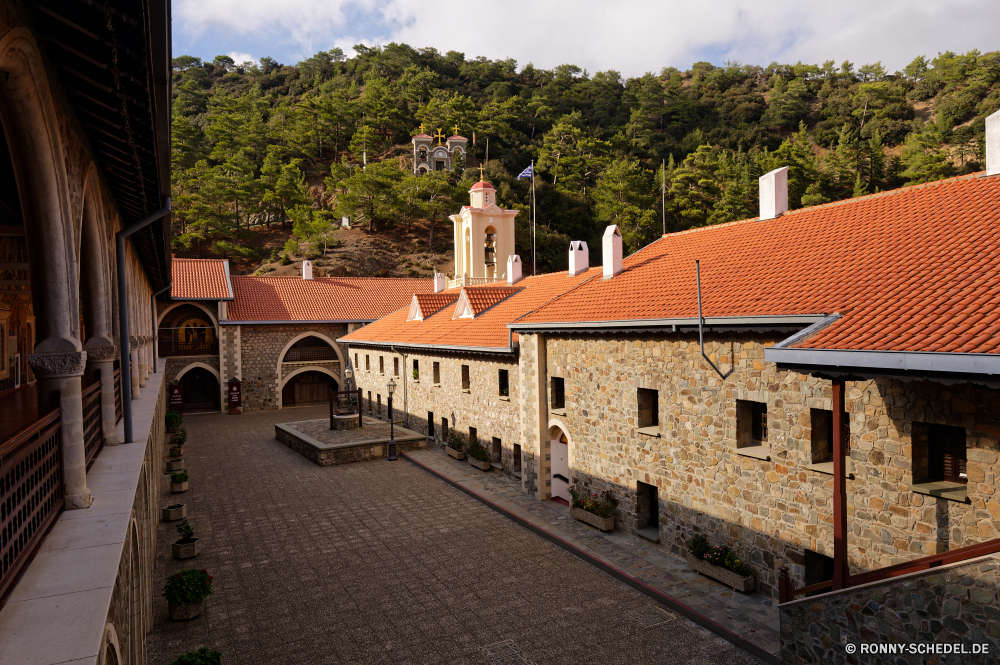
x=484 y=237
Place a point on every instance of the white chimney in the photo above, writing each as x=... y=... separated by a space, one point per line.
x=612 y=246
x=579 y=257
x=513 y=269
x=440 y=282
x=307 y=270
x=993 y=144
x=774 y=193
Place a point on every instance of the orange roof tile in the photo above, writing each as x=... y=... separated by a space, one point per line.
x=481 y=298
x=914 y=269
x=482 y=184
x=488 y=330
x=200 y=279
x=274 y=299
x=428 y=303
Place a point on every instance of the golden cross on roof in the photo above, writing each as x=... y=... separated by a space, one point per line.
x=455 y=128
x=439 y=136
x=480 y=171
x=422 y=128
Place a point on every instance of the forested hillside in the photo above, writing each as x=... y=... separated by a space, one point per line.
x=270 y=144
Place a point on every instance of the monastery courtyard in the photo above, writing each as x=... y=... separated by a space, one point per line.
x=382 y=562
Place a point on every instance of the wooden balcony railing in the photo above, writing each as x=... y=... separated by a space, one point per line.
x=787 y=593
x=93 y=429
x=31 y=492
x=171 y=347
x=310 y=353
x=118 y=396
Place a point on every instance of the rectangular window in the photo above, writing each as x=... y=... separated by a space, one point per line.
x=437 y=373
x=751 y=424
x=368 y=363
x=649 y=407
x=379 y=411
x=356 y=360
x=558 y=397
x=497 y=451
x=416 y=370
x=395 y=366
x=504 y=383
x=381 y=364
x=369 y=401
x=430 y=423
x=466 y=383
x=444 y=429
x=473 y=436
x=821 y=422
x=517 y=458
x=819 y=568
x=647 y=505
x=946 y=454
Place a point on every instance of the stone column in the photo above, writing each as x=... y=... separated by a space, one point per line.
x=58 y=375
x=140 y=354
x=133 y=357
x=101 y=359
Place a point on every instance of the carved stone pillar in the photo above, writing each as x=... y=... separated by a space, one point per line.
x=140 y=350
x=101 y=354
x=58 y=374
x=133 y=357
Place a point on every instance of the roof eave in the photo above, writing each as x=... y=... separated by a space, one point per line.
x=432 y=347
x=674 y=323
x=232 y=322
x=931 y=364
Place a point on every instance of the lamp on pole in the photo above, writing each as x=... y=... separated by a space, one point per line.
x=391 y=386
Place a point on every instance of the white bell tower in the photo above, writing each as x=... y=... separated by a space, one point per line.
x=484 y=237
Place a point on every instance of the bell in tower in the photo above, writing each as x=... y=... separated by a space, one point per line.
x=483 y=221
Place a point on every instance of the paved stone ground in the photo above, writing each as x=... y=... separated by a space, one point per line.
x=752 y=616
x=373 y=430
x=380 y=562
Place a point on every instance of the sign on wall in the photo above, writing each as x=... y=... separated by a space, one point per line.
x=235 y=395
x=176 y=398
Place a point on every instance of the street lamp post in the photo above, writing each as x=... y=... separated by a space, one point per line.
x=391 y=386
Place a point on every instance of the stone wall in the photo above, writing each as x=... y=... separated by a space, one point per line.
x=175 y=366
x=251 y=353
x=481 y=407
x=956 y=605
x=780 y=508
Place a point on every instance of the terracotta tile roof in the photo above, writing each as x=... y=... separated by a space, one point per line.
x=423 y=136
x=200 y=279
x=425 y=304
x=482 y=184
x=481 y=298
x=457 y=137
x=321 y=299
x=486 y=331
x=914 y=269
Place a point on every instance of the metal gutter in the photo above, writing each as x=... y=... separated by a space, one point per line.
x=808 y=332
x=431 y=347
x=689 y=321
x=898 y=361
x=229 y=281
x=155 y=314
x=230 y=322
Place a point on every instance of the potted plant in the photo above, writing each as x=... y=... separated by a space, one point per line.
x=179 y=437
x=188 y=546
x=203 y=656
x=175 y=464
x=456 y=445
x=173 y=421
x=186 y=592
x=479 y=457
x=179 y=481
x=720 y=563
x=594 y=509
x=172 y=513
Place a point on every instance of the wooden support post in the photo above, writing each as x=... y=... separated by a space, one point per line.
x=360 y=417
x=840 y=430
x=784 y=585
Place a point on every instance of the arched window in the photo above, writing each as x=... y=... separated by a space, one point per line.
x=423 y=154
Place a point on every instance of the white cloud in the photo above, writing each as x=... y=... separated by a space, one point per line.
x=240 y=58
x=631 y=36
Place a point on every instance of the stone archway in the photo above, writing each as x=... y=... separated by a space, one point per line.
x=167 y=310
x=302 y=370
x=192 y=366
x=198 y=393
x=560 y=454
x=301 y=336
x=31 y=128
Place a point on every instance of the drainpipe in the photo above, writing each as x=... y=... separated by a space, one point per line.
x=126 y=362
x=152 y=308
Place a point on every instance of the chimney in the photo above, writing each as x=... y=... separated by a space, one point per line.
x=307 y=270
x=579 y=257
x=612 y=246
x=993 y=144
x=513 y=269
x=440 y=282
x=774 y=193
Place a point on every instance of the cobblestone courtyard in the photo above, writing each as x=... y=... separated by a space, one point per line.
x=380 y=562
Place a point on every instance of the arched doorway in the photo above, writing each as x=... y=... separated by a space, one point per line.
x=187 y=330
x=307 y=388
x=199 y=390
x=559 y=456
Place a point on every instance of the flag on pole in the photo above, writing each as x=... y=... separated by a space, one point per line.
x=527 y=173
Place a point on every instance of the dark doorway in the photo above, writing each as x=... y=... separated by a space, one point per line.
x=199 y=390
x=647 y=511
x=307 y=389
x=819 y=568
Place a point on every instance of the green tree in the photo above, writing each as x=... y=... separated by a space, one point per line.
x=623 y=196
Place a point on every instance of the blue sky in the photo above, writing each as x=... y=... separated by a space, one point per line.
x=630 y=36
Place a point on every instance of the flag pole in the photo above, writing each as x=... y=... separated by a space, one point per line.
x=663 y=194
x=534 y=217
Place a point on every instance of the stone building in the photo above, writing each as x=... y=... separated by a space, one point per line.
x=84 y=237
x=814 y=387
x=276 y=336
x=447 y=155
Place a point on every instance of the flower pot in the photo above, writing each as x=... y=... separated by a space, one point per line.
x=457 y=454
x=177 y=488
x=178 y=511
x=729 y=578
x=185 y=611
x=485 y=466
x=186 y=550
x=175 y=465
x=602 y=523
